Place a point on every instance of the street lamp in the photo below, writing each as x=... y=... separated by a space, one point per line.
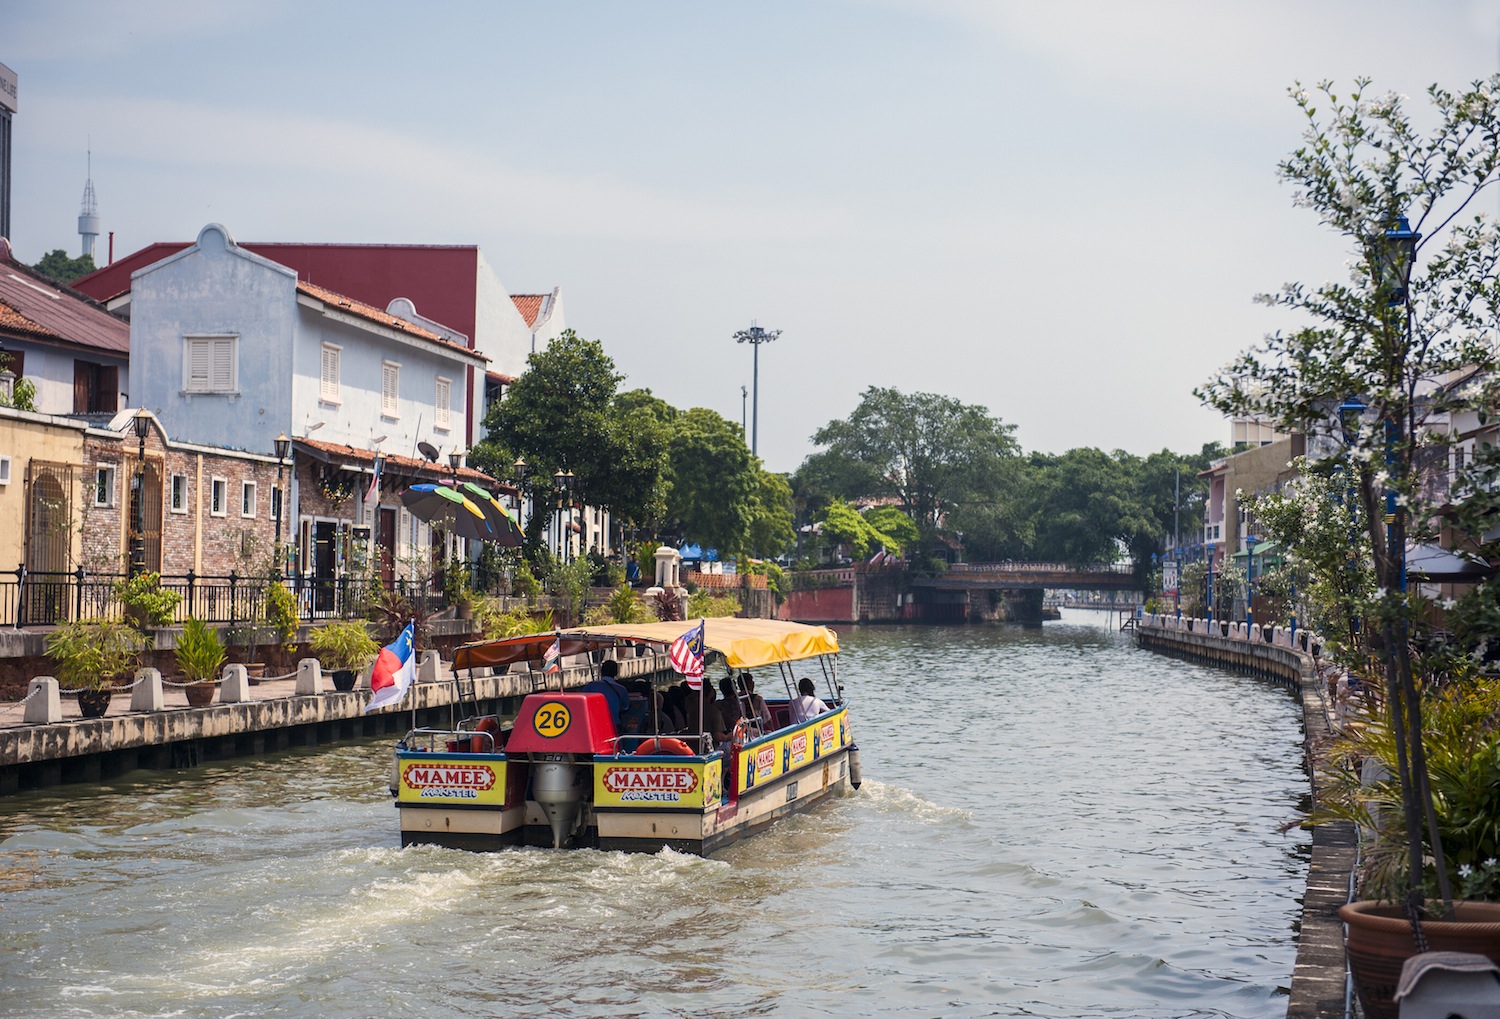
x=1395 y=253
x=755 y=336
x=283 y=447
x=142 y=423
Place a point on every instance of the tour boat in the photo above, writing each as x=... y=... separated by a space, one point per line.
x=566 y=773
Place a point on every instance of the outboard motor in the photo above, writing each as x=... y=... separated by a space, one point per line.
x=559 y=785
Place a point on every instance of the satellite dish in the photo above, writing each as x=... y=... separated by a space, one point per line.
x=428 y=450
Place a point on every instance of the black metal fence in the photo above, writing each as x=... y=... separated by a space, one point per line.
x=30 y=598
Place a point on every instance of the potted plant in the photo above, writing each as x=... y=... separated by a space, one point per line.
x=1461 y=737
x=200 y=653
x=281 y=615
x=90 y=655
x=144 y=602
x=344 y=647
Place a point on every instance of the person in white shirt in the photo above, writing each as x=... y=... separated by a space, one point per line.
x=808 y=705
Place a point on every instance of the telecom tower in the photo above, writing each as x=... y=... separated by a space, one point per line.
x=88 y=219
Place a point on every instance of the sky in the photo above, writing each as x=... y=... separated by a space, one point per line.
x=1060 y=211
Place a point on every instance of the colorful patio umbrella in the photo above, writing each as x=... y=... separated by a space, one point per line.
x=503 y=527
x=455 y=511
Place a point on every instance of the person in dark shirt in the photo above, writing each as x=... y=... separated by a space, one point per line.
x=609 y=686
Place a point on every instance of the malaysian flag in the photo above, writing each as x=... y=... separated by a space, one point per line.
x=686 y=654
x=552 y=659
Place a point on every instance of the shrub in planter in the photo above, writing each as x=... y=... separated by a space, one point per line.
x=145 y=602
x=200 y=654
x=92 y=655
x=344 y=647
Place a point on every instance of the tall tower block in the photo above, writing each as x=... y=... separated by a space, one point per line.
x=7 y=107
x=88 y=219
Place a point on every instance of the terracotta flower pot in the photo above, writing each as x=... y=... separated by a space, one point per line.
x=1380 y=941
x=199 y=694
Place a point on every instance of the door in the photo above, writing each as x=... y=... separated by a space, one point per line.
x=49 y=514
x=325 y=564
x=385 y=545
x=145 y=513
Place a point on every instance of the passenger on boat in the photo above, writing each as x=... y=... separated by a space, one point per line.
x=758 y=707
x=730 y=708
x=674 y=709
x=704 y=717
x=636 y=718
x=808 y=705
x=610 y=687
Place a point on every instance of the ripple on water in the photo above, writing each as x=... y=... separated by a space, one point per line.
x=1052 y=824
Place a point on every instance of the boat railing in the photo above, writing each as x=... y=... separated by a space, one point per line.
x=451 y=741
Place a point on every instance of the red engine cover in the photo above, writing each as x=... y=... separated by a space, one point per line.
x=563 y=723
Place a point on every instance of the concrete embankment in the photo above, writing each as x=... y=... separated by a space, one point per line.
x=1319 y=983
x=275 y=716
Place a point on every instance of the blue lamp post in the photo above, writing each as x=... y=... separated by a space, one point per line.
x=1250 y=541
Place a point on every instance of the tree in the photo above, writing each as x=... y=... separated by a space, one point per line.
x=929 y=452
x=772 y=532
x=56 y=265
x=714 y=482
x=1382 y=357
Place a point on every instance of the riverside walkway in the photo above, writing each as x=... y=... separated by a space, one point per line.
x=1320 y=985
x=144 y=728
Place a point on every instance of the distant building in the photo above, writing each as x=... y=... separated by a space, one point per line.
x=76 y=353
x=88 y=216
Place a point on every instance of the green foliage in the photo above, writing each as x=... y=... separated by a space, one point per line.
x=894 y=525
x=776 y=578
x=570 y=582
x=715 y=482
x=929 y=452
x=625 y=607
x=517 y=622
x=22 y=391
x=523 y=584
x=281 y=613
x=199 y=651
x=1461 y=735
x=393 y=610
x=343 y=644
x=772 y=528
x=705 y=604
x=842 y=525
x=93 y=654
x=56 y=265
x=146 y=601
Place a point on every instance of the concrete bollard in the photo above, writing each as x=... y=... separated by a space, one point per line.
x=428 y=667
x=44 y=703
x=310 y=678
x=362 y=681
x=147 y=695
x=234 y=687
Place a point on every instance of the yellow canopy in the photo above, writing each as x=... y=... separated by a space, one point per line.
x=744 y=643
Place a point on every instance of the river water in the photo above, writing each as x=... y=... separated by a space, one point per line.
x=1053 y=823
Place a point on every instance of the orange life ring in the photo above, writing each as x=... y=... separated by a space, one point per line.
x=665 y=745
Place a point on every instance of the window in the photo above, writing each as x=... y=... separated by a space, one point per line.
x=218 y=496
x=4 y=470
x=179 y=493
x=96 y=388
x=390 y=377
x=275 y=502
x=104 y=485
x=208 y=364
x=444 y=387
x=329 y=392
x=247 y=498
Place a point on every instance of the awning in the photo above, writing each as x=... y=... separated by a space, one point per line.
x=1435 y=564
x=744 y=643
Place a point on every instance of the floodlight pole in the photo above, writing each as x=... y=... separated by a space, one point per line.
x=755 y=336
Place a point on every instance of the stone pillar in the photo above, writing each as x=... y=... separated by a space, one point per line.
x=147 y=695
x=668 y=567
x=429 y=667
x=44 y=703
x=235 y=686
x=310 y=678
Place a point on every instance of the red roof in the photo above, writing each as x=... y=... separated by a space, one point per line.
x=530 y=306
x=441 y=280
x=371 y=314
x=353 y=456
x=34 y=307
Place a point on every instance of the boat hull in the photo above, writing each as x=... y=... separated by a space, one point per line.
x=696 y=805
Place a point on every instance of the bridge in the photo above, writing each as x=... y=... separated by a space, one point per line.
x=1023 y=576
